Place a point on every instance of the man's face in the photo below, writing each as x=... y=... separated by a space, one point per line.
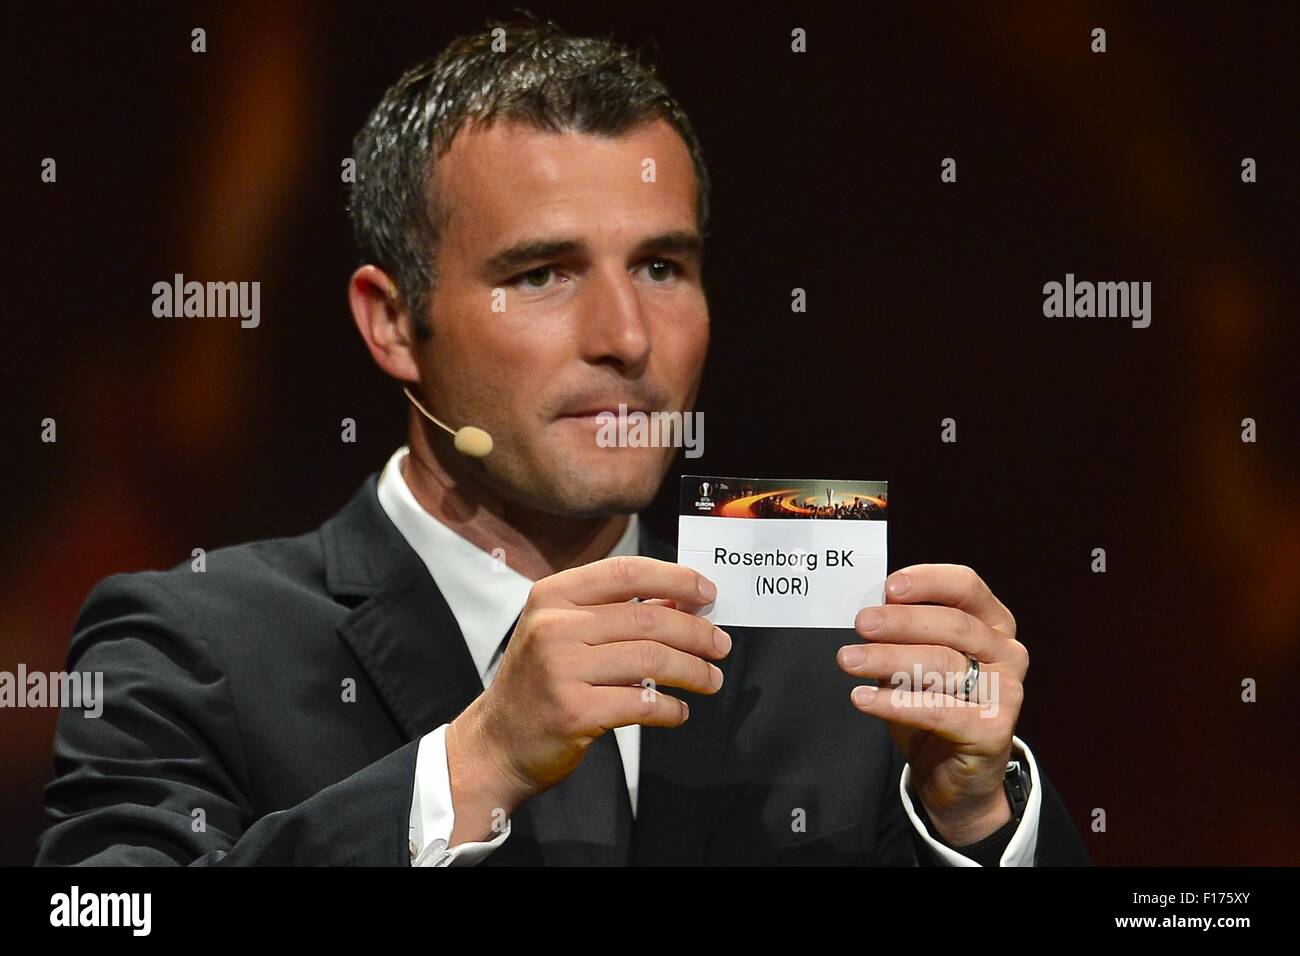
x=598 y=272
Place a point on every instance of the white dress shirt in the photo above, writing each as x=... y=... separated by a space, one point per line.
x=485 y=596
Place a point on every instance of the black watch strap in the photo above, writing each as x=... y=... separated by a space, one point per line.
x=1016 y=782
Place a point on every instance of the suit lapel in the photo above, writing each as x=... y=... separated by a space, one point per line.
x=402 y=632
x=405 y=636
x=411 y=647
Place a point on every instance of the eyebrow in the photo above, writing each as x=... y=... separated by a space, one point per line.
x=679 y=242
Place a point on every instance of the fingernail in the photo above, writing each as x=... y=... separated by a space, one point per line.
x=853 y=655
x=707 y=590
x=721 y=640
x=864 y=695
x=869 y=619
x=715 y=677
x=686 y=710
x=900 y=584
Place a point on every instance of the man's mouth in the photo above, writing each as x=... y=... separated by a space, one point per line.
x=592 y=411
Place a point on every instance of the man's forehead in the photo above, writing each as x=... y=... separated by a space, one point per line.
x=510 y=173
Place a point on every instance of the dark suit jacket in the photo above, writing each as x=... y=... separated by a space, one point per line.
x=224 y=692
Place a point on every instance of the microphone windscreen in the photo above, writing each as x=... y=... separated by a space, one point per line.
x=474 y=442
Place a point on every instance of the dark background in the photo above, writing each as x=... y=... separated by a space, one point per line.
x=925 y=301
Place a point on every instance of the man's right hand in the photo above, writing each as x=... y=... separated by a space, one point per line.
x=585 y=658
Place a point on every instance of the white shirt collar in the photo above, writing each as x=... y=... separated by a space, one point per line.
x=485 y=594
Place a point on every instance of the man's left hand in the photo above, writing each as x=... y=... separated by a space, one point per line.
x=934 y=617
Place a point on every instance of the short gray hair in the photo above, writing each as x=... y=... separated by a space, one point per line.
x=544 y=78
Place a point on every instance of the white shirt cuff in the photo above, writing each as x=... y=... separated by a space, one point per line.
x=432 y=816
x=1024 y=842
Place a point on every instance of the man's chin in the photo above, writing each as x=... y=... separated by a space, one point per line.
x=606 y=481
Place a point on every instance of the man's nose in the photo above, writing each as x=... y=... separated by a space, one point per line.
x=613 y=323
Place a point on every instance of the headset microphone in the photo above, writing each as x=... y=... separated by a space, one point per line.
x=469 y=441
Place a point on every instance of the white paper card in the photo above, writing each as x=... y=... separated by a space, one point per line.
x=786 y=553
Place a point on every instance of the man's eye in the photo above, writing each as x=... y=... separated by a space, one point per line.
x=536 y=278
x=663 y=269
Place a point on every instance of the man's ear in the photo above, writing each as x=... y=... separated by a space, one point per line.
x=383 y=322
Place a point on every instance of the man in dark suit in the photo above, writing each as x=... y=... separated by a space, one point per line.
x=465 y=664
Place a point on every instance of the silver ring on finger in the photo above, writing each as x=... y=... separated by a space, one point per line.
x=972 y=678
